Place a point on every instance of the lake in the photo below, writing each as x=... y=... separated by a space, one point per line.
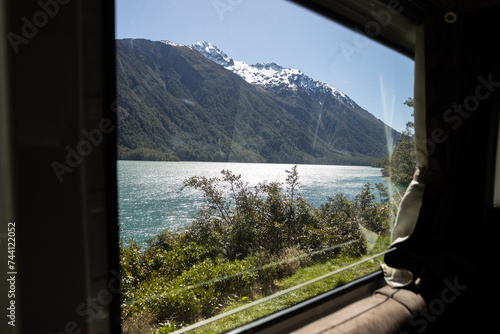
x=150 y=199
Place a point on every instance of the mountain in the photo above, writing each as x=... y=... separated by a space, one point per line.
x=271 y=75
x=194 y=102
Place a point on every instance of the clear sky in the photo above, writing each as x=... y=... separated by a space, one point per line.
x=377 y=78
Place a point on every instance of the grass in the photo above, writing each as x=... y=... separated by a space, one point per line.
x=292 y=298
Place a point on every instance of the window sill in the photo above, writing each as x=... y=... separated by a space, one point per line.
x=317 y=308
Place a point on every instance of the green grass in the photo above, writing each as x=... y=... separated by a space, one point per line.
x=300 y=276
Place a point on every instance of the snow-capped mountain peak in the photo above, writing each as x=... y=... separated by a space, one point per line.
x=213 y=53
x=271 y=74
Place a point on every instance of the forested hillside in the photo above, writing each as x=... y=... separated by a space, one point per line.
x=176 y=104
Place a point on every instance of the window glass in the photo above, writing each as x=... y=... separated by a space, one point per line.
x=263 y=150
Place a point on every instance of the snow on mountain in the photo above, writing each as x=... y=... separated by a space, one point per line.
x=213 y=53
x=170 y=43
x=271 y=75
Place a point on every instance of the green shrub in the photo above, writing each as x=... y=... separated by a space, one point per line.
x=240 y=244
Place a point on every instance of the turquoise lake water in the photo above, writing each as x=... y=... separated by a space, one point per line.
x=150 y=199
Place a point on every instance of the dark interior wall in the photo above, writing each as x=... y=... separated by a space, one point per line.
x=463 y=89
x=454 y=239
x=61 y=81
x=463 y=85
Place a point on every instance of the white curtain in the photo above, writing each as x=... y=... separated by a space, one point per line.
x=412 y=200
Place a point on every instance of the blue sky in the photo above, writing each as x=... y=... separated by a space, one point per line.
x=377 y=78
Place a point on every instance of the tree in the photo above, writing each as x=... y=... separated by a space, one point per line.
x=401 y=164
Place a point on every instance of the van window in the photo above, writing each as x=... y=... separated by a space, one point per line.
x=263 y=152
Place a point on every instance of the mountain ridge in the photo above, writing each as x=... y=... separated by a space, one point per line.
x=177 y=104
x=269 y=74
